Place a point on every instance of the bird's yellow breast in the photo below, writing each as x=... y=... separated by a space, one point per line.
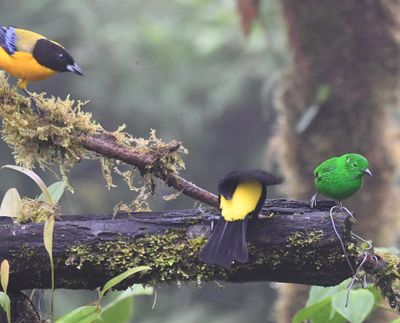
x=23 y=65
x=243 y=201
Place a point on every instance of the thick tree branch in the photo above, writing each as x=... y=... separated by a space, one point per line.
x=289 y=243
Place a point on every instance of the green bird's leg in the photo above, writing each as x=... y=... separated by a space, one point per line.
x=313 y=201
x=340 y=239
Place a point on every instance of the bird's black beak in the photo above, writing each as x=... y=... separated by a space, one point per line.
x=75 y=69
x=367 y=171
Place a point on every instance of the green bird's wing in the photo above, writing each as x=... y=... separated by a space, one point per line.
x=326 y=168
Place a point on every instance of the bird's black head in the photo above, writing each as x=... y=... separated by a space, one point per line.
x=55 y=57
x=228 y=184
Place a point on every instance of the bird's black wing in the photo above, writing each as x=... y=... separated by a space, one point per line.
x=8 y=39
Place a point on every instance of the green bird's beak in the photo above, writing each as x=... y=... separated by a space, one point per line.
x=367 y=171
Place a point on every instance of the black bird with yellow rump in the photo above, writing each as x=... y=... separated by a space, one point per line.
x=241 y=196
x=29 y=56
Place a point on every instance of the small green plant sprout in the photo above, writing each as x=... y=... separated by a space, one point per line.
x=328 y=304
x=26 y=209
x=39 y=182
x=48 y=232
x=4 y=278
x=11 y=204
x=119 y=309
x=45 y=206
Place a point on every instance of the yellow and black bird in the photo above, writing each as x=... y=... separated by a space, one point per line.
x=241 y=196
x=29 y=56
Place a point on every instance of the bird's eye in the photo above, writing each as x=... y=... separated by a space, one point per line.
x=60 y=56
x=355 y=165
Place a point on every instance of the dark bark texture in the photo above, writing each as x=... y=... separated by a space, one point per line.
x=288 y=243
x=351 y=49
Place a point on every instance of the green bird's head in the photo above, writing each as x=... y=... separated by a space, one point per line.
x=356 y=165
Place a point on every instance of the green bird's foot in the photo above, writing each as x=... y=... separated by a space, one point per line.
x=313 y=201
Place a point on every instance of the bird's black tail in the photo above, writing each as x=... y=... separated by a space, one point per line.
x=227 y=243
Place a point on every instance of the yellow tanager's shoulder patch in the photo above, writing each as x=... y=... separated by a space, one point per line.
x=26 y=40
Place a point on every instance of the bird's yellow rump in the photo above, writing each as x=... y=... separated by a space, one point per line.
x=241 y=196
x=244 y=201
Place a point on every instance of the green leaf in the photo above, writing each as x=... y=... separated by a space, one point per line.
x=35 y=178
x=117 y=279
x=361 y=303
x=48 y=236
x=84 y=314
x=5 y=304
x=120 y=309
x=11 y=204
x=48 y=244
x=318 y=293
x=4 y=274
x=312 y=310
x=395 y=321
x=56 y=190
x=376 y=292
x=138 y=289
x=335 y=317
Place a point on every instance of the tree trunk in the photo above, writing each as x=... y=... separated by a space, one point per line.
x=289 y=243
x=349 y=51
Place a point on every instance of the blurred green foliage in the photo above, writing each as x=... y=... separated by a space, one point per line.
x=185 y=69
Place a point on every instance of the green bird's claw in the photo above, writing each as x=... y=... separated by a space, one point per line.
x=313 y=201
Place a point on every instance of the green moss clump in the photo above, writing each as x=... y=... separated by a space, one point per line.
x=305 y=239
x=170 y=257
x=301 y=249
x=53 y=138
x=46 y=139
x=35 y=211
x=387 y=277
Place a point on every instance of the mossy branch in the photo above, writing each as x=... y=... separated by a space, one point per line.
x=64 y=134
x=107 y=146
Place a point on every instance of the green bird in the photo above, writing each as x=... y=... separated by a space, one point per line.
x=340 y=177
